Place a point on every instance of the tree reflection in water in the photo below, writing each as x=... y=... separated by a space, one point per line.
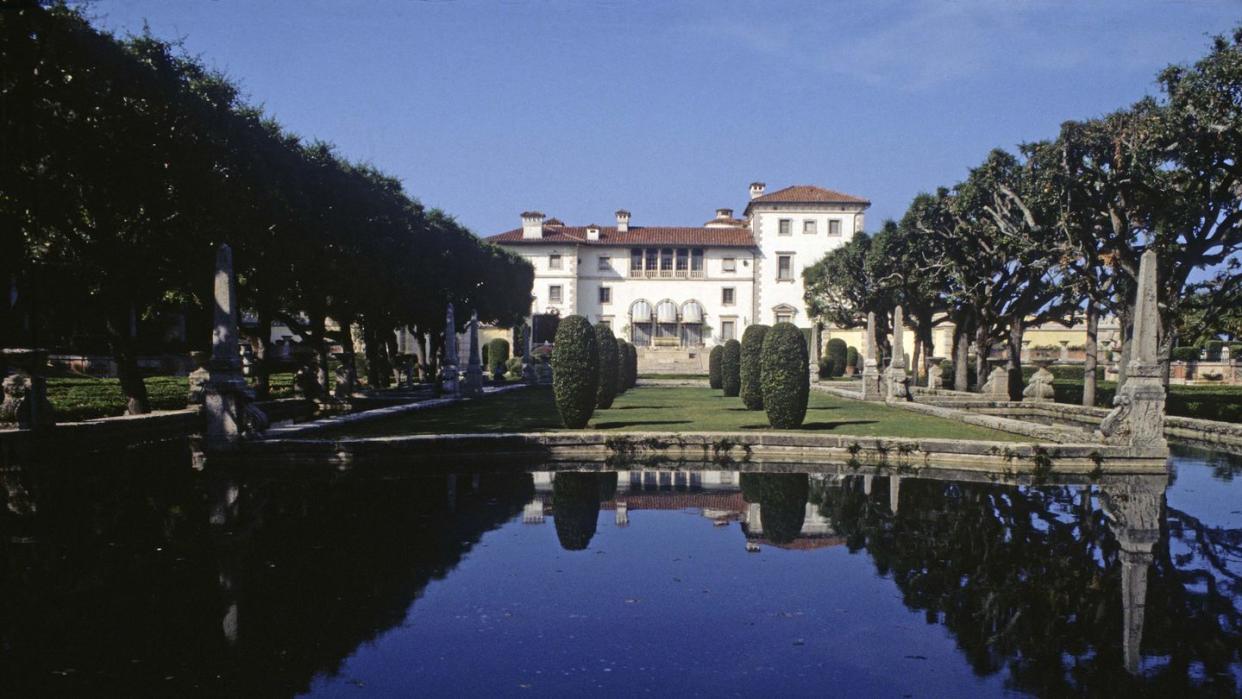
x=782 y=499
x=576 y=497
x=1029 y=580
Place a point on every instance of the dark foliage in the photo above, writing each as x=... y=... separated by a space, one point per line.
x=606 y=345
x=575 y=371
x=731 y=368
x=713 y=366
x=752 y=348
x=785 y=378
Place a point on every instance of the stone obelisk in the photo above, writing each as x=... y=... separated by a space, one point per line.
x=448 y=368
x=474 y=367
x=871 y=364
x=225 y=390
x=1137 y=418
x=895 y=377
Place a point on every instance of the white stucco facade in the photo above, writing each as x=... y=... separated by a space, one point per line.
x=720 y=277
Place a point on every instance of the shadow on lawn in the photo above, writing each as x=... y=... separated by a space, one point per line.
x=614 y=425
x=639 y=407
x=815 y=425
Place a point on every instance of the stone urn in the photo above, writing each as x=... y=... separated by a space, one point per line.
x=1040 y=389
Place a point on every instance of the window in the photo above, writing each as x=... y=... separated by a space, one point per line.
x=727 y=296
x=728 y=330
x=636 y=261
x=652 y=258
x=606 y=321
x=785 y=227
x=834 y=226
x=554 y=293
x=683 y=261
x=784 y=317
x=554 y=261
x=605 y=294
x=808 y=226
x=696 y=262
x=605 y=263
x=666 y=261
x=784 y=268
x=730 y=264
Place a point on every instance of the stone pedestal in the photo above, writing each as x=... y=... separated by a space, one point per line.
x=1040 y=389
x=1137 y=418
x=25 y=390
x=935 y=377
x=896 y=381
x=449 y=375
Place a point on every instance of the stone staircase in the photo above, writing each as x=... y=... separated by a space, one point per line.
x=672 y=360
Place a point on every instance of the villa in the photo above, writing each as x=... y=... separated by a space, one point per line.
x=671 y=290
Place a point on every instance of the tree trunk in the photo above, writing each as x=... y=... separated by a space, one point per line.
x=318 y=326
x=1014 y=343
x=1089 y=366
x=262 y=369
x=126 y=357
x=961 y=357
x=983 y=348
x=372 y=350
x=1123 y=365
x=916 y=359
x=392 y=353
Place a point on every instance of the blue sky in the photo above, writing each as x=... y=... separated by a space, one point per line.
x=671 y=109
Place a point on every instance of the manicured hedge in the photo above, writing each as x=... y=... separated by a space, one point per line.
x=839 y=354
x=851 y=357
x=786 y=383
x=575 y=371
x=633 y=374
x=752 y=348
x=496 y=355
x=713 y=366
x=623 y=364
x=731 y=368
x=607 y=347
x=1185 y=354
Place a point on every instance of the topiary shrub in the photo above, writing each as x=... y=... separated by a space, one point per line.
x=826 y=367
x=1185 y=354
x=752 y=347
x=513 y=367
x=851 y=358
x=713 y=366
x=731 y=368
x=496 y=355
x=607 y=347
x=786 y=383
x=623 y=363
x=838 y=353
x=633 y=366
x=575 y=371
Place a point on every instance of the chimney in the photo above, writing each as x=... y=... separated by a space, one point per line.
x=724 y=214
x=592 y=232
x=756 y=189
x=532 y=224
x=623 y=221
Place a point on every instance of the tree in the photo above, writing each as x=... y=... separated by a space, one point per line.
x=714 y=378
x=623 y=363
x=839 y=354
x=786 y=382
x=842 y=287
x=752 y=347
x=607 y=347
x=575 y=371
x=731 y=368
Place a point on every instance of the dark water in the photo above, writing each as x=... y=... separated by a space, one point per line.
x=130 y=575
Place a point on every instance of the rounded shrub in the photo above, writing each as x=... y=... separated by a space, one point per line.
x=752 y=348
x=623 y=363
x=786 y=383
x=1185 y=354
x=575 y=505
x=731 y=368
x=713 y=366
x=839 y=353
x=575 y=371
x=497 y=355
x=607 y=347
x=851 y=356
x=826 y=367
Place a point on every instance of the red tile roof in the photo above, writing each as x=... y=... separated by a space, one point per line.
x=636 y=235
x=807 y=194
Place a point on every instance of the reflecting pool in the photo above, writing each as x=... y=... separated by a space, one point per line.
x=132 y=575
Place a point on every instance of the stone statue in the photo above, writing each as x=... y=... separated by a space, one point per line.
x=25 y=393
x=997 y=385
x=1040 y=389
x=306 y=382
x=935 y=377
x=198 y=378
x=898 y=382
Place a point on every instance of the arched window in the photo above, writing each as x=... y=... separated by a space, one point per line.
x=692 y=324
x=640 y=323
x=666 y=323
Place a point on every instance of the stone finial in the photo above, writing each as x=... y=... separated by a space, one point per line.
x=997 y=385
x=935 y=377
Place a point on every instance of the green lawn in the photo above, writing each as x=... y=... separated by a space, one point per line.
x=671 y=410
x=77 y=398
